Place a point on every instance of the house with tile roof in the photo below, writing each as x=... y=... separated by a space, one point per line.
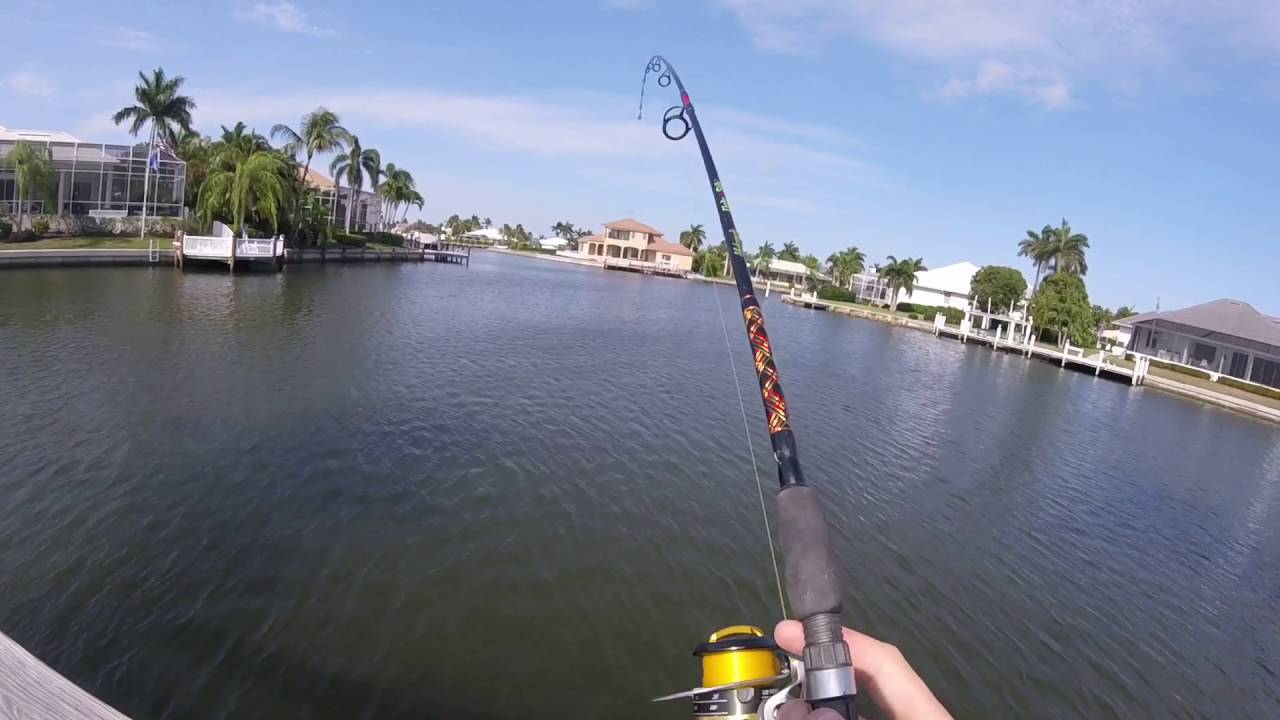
x=1227 y=337
x=631 y=240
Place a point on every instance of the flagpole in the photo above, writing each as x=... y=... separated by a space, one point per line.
x=146 y=184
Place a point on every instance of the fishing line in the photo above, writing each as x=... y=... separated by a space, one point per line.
x=755 y=468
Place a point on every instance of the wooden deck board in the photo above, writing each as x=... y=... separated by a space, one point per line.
x=31 y=690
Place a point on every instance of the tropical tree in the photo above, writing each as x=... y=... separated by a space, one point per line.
x=320 y=132
x=157 y=102
x=398 y=191
x=1068 y=249
x=763 y=258
x=236 y=144
x=901 y=275
x=710 y=262
x=1124 y=311
x=693 y=237
x=814 y=266
x=33 y=168
x=997 y=285
x=844 y=264
x=789 y=252
x=1062 y=305
x=255 y=184
x=1037 y=247
x=375 y=170
x=196 y=151
x=351 y=166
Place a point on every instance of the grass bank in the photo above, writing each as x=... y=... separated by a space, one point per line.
x=86 y=243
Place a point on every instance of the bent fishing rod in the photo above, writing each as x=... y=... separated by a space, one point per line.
x=744 y=674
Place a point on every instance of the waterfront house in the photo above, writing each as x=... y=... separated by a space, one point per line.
x=95 y=179
x=366 y=214
x=1226 y=337
x=552 y=243
x=786 y=272
x=946 y=286
x=631 y=240
x=484 y=236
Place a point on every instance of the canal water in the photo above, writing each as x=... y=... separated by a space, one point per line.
x=522 y=490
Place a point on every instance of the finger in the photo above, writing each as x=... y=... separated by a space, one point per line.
x=793 y=710
x=880 y=669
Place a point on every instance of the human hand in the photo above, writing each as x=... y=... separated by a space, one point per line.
x=879 y=669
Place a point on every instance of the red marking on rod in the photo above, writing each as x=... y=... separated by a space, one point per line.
x=684 y=98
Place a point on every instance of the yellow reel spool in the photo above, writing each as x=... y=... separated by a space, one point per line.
x=738 y=653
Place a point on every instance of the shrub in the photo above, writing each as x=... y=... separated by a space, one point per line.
x=953 y=315
x=23 y=236
x=831 y=292
x=913 y=316
x=349 y=239
x=1174 y=367
x=384 y=238
x=40 y=225
x=6 y=228
x=1249 y=387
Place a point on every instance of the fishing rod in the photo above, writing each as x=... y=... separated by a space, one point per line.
x=743 y=673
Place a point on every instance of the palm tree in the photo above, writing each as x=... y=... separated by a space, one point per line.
x=1068 y=250
x=1125 y=311
x=158 y=103
x=254 y=184
x=32 y=166
x=352 y=166
x=845 y=264
x=764 y=258
x=196 y=151
x=237 y=144
x=1037 y=246
x=320 y=132
x=693 y=237
x=789 y=252
x=375 y=169
x=901 y=275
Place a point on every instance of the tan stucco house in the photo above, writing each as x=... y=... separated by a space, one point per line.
x=630 y=239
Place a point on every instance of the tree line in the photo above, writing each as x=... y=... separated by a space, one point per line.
x=241 y=179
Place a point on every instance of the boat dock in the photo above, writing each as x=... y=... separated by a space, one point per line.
x=642 y=266
x=360 y=254
x=31 y=690
x=1098 y=362
x=224 y=248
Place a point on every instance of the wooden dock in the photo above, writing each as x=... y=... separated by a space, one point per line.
x=31 y=690
x=360 y=254
x=642 y=266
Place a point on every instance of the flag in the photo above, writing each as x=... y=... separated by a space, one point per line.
x=153 y=161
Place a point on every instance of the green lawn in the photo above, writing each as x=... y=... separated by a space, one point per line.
x=86 y=243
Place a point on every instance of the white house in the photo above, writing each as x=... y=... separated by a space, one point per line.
x=947 y=286
x=554 y=243
x=1224 y=336
x=484 y=236
x=785 y=271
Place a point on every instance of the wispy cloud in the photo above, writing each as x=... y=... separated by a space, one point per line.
x=27 y=82
x=131 y=39
x=282 y=15
x=1042 y=87
x=1034 y=49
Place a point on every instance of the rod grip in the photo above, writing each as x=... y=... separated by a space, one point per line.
x=813 y=583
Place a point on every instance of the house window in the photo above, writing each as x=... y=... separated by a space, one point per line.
x=1203 y=355
x=1239 y=365
x=618 y=234
x=666 y=257
x=1266 y=372
x=1153 y=338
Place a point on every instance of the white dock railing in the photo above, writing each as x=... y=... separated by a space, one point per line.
x=213 y=247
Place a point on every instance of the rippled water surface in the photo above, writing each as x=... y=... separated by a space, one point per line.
x=521 y=490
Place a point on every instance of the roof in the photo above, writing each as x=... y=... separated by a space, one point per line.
x=954 y=278
x=486 y=233
x=553 y=240
x=632 y=225
x=37 y=135
x=317 y=180
x=1223 y=316
x=789 y=266
x=670 y=248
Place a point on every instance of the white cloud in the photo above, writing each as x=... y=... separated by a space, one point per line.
x=1042 y=47
x=1044 y=88
x=26 y=82
x=131 y=39
x=283 y=15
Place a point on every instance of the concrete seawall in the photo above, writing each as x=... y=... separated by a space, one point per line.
x=81 y=258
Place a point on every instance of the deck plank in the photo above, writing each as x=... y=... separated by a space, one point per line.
x=31 y=690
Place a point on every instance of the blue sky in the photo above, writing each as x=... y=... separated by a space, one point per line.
x=907 y=127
